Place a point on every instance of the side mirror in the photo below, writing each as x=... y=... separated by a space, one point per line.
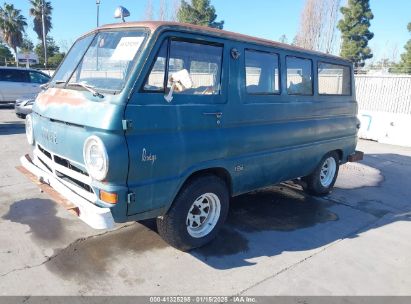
x=180 y=81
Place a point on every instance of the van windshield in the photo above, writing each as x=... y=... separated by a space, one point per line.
x=101 y=61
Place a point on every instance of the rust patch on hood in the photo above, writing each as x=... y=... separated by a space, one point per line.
x=55 y=96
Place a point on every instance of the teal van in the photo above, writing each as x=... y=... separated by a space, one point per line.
x=169 y=121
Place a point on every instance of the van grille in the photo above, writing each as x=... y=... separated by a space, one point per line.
x=66 y=171
x=73 y=181
x=46 y=153
x=65 y=163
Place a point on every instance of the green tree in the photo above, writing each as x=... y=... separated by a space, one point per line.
x=5 y=54
x=199 y=12
x=355 y=31
x=55 y=60
x=36 y=13
x=37 y=10
x=52 y=49
x=405 y=64
x=383 y=63
x=12 y=24
x=26 y=45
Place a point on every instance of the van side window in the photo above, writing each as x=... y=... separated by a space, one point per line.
x=261 y=72
x=155 y=80
x=299 y=76
x=203 y=64
x=333 y=79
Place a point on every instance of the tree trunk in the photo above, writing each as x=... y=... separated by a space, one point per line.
x=15 y=53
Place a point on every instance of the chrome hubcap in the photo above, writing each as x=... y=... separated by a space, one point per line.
x=327 y=172
x=203 y=215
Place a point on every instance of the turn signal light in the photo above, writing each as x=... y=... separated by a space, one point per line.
x=108 y=197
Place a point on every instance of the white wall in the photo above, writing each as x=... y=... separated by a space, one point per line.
x=385 y=108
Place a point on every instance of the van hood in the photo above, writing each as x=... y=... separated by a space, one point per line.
x=80 y=108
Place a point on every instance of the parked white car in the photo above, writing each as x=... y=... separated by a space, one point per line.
x=23 y=106
x=16 y=83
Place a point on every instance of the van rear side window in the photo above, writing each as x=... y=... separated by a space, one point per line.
x=299 y=76
x=261 y=71
x=333 y=79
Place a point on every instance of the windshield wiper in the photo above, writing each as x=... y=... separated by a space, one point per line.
x=46 y=85
x=87 y=87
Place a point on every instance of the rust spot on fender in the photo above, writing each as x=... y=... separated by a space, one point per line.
x=55 y=96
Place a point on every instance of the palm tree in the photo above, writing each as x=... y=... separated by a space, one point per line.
x=36 y=13
x=41 y=9
x=12 y=25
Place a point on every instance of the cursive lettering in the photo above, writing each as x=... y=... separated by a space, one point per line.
x=148 y=157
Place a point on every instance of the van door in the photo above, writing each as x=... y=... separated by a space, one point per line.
x=168 y=140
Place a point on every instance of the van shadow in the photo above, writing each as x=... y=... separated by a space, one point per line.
x=284 y=219
x=35 y=213
x=12 y=127
x=265 y=223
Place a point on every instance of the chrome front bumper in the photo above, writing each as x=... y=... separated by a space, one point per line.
x=96 y=217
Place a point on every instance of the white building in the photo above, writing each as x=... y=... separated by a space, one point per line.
x=27 y=58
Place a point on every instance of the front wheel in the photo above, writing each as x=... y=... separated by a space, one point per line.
x=321 y=181
x=197 y=213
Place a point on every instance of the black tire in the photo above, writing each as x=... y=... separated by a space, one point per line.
x=312 y=183
x=173 y=227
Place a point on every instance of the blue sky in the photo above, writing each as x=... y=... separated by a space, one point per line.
x=262 y=18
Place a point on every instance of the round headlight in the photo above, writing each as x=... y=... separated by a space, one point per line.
x=29 y=129
x=95 y=157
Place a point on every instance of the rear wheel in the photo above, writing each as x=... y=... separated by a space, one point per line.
x=197 y=213
x=321 y=181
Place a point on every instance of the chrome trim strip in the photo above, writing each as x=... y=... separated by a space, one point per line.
x=52 y=164
x=38 y=154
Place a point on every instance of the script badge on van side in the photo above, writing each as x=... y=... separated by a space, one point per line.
x=148 y=157
x=239 y=168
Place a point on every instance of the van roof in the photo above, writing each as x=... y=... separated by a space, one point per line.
x=163 y=25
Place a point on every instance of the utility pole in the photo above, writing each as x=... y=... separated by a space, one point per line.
x=98 y=23
x=44 y=34
x=98 y=12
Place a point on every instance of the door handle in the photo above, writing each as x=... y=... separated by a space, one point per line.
x=218 y=115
